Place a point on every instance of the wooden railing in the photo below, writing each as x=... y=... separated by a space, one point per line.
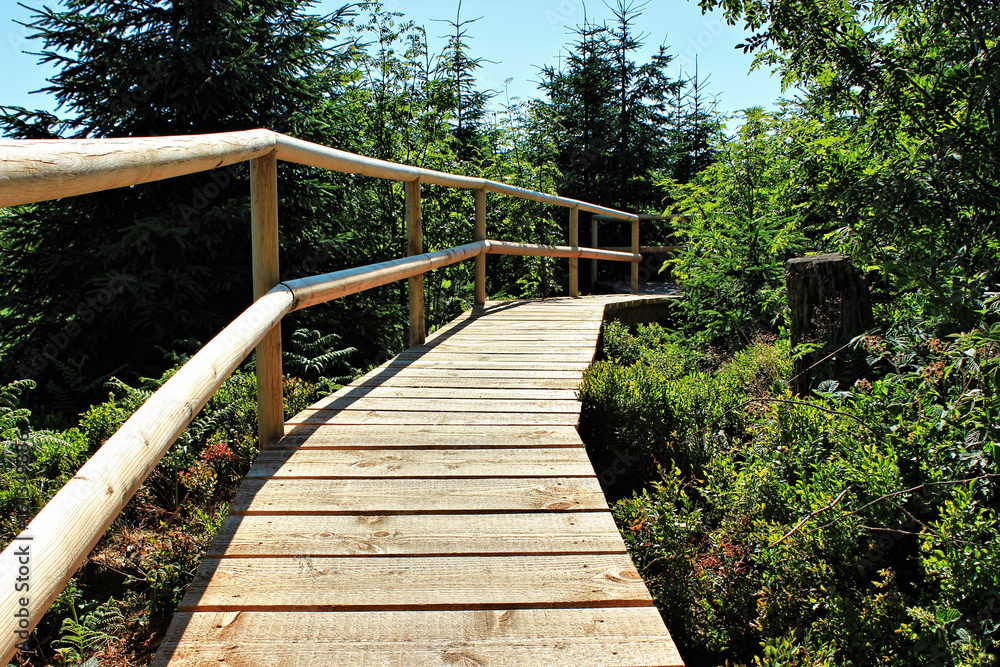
x=36 y=566
x=635 y=247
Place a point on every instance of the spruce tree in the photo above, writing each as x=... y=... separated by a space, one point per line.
x=468 y=102
x=94 y=285
x=614 y=113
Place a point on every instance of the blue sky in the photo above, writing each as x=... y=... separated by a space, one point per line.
x=520 y=35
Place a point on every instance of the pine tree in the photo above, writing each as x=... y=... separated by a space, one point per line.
x=468 y=103
x=614 y=133
x=98 y=282
x=696 y=127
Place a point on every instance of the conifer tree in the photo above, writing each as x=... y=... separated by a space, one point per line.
x=91 y=284
x=614 y=113
x=468 y=103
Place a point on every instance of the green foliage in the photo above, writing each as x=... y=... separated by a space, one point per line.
x=83 y=278
x=313 y=355
x=906 y=94
x=13 y=418
x=660 y=408
x=739 y=228
x=81 y=637
x=856 y=527
x=174 y=553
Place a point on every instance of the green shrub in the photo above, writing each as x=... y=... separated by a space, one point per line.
x=659 y=410
x=860 y=526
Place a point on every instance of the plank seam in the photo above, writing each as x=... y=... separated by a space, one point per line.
x=484 y=606
x=435 y=477
x=568 y=510
x=439 y=554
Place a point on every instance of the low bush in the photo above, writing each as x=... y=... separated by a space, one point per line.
x=858 y=526
x=649 y=404
x=129 y=587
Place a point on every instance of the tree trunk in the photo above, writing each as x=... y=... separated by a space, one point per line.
x=830 y=305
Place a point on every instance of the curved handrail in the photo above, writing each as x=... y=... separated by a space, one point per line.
x=56 y=542
x=38 y=170
x=33 y=171
x=36 y=566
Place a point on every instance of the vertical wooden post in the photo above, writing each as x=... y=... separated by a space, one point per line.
x=635 y=251
x=574 y=242
x=264 y=250
x=480 y=235
x=593 y=244
x=415 y=246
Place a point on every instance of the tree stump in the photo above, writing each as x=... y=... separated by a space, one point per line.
x=830 y=305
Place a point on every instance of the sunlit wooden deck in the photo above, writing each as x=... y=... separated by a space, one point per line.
x=440 y=510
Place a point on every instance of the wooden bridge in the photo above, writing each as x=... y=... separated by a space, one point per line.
x=440 y=510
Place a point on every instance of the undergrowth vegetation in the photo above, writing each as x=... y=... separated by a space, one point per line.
x=117 y=605
x=857 y=526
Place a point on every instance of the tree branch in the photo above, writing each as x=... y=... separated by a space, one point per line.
x=794 y=402
x=809 y=516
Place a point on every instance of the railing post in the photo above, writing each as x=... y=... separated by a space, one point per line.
x=415 y=246
x=264 y=249
x=635 y=251
x=574 y=242
x=593 y=244
x=480 y=235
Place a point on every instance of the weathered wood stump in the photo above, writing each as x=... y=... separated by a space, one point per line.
x=830 y=304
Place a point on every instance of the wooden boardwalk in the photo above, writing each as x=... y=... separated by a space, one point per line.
x=441 y=510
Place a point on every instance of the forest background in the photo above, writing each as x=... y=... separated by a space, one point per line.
x=798 y=536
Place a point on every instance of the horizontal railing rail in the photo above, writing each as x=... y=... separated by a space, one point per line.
x=36 y=566
x=635 y=248
x=39 y=170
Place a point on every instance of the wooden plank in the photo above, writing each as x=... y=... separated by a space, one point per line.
x=453 y=404
x=482 y=319
x=411 y=417
x=488 y=364
x=387 y=496
x=554 y=359
x=519 y=462
x=470 y=392
x=423 y=370
x=513 y=338
x=399 y=582
x=580 y=337
x=574 y=319
x=521 y=328
x=410 y=534
x=431 y=380
x=611 y=637
x=495 y=345
x=408 y=435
